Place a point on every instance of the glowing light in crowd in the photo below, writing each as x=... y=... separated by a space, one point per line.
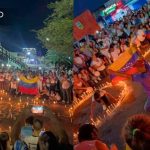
x=47 y=39
x=2 y=65
x=28 y=53
x=32 y=59
x=97 y=32
x=40 y=68
x=8 y=65
x=18 y=79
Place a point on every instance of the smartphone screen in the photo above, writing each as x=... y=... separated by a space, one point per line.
x=37 y=109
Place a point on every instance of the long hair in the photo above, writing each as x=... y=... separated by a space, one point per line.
x=48 y=138
x=4 y=138
x=136 y=132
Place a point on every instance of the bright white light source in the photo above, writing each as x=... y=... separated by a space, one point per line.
x=47 y=39
x=28 y=53
x=97 y=31
x=2 y=65
x=40 y=68
x=18 y=79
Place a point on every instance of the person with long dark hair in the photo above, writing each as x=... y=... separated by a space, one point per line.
x=48 y=141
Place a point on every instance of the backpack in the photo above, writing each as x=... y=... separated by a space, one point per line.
x=20 y=145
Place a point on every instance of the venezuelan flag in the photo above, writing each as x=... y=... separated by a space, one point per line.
x=29 y=88
x=129 y=63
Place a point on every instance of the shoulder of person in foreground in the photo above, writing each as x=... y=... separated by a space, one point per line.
x=102 y=146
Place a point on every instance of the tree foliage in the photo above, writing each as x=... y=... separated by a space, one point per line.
x=56 y=35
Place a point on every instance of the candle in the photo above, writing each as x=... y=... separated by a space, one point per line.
x=9 y=128
x=11 y=116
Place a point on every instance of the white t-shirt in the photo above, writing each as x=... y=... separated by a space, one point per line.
x=31 y=141
x=13 y=85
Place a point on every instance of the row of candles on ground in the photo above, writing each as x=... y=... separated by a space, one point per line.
x=9 y=129
x=84 y=97
x=111 y=109
x=99 y=120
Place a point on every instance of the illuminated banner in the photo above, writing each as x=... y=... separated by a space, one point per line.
x=83 y=25
x=110 y=9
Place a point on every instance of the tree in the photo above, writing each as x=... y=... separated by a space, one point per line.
x=56 y=35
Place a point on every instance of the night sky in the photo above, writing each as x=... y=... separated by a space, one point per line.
x=82 y=5
x=20 y=17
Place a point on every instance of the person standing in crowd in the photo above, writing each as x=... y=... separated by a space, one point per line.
x=39 y=83
x=53 y=81
x=48 y=141
x=1 y=81
x=32 y=140
x=27 y=130
x=13 y=87
x=66 y=89
x=136 y=132
x=104 y=98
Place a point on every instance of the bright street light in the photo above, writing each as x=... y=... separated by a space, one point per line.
x=47 y=39
x=28 y=53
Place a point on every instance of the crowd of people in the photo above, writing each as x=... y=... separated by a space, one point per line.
x=93 y=54
x=33 y=137
x=52 y=85
x=136 y=134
